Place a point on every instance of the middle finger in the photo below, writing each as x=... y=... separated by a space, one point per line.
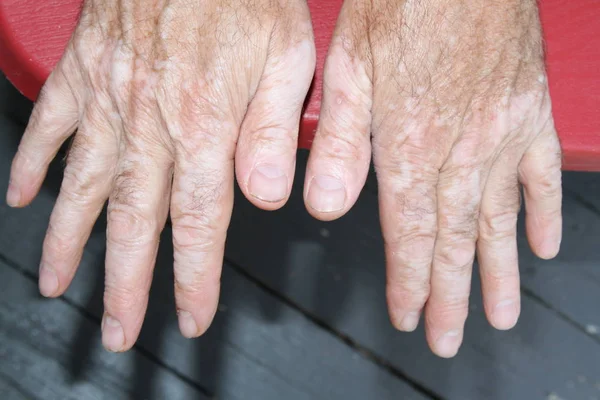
x=459 y=194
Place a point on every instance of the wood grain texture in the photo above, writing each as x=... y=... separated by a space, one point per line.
x=336 y=271
x=245 y=355
x=38 y=342
x=33 y=35
x=571 y=283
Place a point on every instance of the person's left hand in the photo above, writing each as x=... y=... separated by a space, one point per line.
x=455 y=96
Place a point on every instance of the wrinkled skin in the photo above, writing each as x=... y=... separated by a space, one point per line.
x=165 y=96
x=451 y=98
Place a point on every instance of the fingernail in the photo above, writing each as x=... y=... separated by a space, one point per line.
x=447 y=345
x=505 y=315
x=48 y=282
x=113 y=337
x=187 y=324
x=13 y=195
x=410 y=321
x=326 y=194
x=268 y=183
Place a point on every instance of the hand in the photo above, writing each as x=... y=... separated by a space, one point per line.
x=455 y=97
x=165 y=95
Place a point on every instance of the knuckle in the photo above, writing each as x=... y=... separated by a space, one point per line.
x=79 y=186
x=130 y=190
x=459 y=226
x=123 y=296
x=129 y=228
x=201 y=120
x=408 y=294
x=455 y=258
x=418 y=205
x=271 y=137
x=199 y=197
x=498 y=225
x=196 y=233
x=449 y=310
x=499 y=278
x=343 y=146
x=550 y=184
x=57 y=243
x=413 y=247
x=192 y=282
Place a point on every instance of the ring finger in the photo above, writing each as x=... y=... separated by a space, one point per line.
x=137 y=213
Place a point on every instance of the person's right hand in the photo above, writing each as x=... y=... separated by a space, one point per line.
x=165 y=96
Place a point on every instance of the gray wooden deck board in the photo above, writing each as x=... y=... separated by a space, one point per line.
x=243 y=356
x=36 y=349
x=336 y=271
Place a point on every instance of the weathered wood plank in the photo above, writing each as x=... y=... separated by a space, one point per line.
x=336 y=270
x=571 y=282
x=243 y=356
x=585 y=186
x=38 y=339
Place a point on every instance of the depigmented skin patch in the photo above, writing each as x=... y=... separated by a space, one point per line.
x=458 y=100
x=159 y=90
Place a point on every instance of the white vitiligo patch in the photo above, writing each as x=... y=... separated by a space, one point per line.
x=467 y=193
x=519 y=109
x=440 y=121
x=412 y=106
x=347 y=95
x=121 y=68
x=348 y=76
x=281 y=93
x=161 y=65
x=413 y=127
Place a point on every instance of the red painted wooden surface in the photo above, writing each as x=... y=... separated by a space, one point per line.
x=33 y=35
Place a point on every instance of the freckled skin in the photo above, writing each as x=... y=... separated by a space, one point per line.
x=455 y=98
x=165 y=96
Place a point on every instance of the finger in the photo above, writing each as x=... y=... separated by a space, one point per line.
x=202 y=200
x=340 y=154
x=497 y=243
x=52 y=121
x=266 y=150
x=85 y=187
x=407 y=204
x=137 y=211
x=459 y=194
x=540 y=174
